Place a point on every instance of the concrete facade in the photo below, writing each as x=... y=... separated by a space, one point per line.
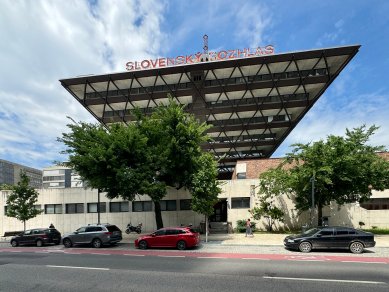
x=348 y=215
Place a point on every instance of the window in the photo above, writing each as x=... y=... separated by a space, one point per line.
x=185 y=204
x=119 y=207
x=53 y=209
x=168 y=205
x=5 y=210
x=74 y=208
x=93 y=229
x=160 y=232
x=172 y=232
x=92 y=207
x=326 y=232
x=342 y=232
x=141 y=206
x=240 y=203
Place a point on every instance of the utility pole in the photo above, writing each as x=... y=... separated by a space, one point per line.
x=313 y=197
x=98 y=206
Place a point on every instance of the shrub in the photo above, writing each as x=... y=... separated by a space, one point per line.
x=241 y=226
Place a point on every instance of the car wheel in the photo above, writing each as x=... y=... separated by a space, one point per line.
x=305 y=246
x=39 y=243
x=181 y=245
x=356 y=247
x=67 y=243
x=14 y=243
x=142 y=244
x=96 y=243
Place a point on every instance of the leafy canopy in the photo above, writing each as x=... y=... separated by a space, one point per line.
x=344 y=169
x=145 y=157
x=20 y=203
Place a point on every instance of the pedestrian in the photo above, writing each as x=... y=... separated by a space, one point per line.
x=51 y=225
x=248 y=228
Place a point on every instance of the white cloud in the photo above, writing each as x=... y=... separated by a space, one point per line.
x=332 y=118
x=44 y=41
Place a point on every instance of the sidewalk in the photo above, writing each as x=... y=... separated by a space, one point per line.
x=259 y=239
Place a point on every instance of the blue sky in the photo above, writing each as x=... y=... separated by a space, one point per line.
x=44 y=41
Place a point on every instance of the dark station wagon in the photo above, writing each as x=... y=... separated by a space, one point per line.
x=331 y=237
x=37 y=236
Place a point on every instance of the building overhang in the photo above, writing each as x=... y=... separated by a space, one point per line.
x=252 y=103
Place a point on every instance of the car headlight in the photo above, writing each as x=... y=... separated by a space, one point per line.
x=290 y=240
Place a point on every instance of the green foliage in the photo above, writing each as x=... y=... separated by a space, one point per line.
x=241 y=226
x=268 y=210
x=204 y=186
x=345 y=169
x=20 y=203
x=6 y=187
x=377 y=230
x=145 y=157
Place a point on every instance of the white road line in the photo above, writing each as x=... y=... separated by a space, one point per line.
x=165 y=256
x=323 y=280
x=306 y=260
x=255 y=259
x=211 y=258
x=360 y=262
x=73 y=267
x=100 y=253
x=135 y=255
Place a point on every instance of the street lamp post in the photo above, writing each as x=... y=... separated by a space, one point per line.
x=98 y=206
x=313 y=197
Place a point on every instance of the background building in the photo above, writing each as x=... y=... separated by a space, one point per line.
x=60 y=177
x=10 y=174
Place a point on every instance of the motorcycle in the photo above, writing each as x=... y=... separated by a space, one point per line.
x=130 y=228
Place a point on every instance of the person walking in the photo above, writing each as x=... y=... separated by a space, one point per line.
x=248 y=228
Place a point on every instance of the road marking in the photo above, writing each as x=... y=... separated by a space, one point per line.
x=135 y=255
x=306 y=260
x=73 y=267
x=211 y=257
x=41 y=252
x=360 y=262
x=255 y=259
x=165 y=256
x=323 y=280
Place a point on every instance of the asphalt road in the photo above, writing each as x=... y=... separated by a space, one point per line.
x=26 y=271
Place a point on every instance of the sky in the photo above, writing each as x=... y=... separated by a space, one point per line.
x=44 y=41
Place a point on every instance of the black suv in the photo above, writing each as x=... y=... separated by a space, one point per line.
x=37 y=236
x=95 y=234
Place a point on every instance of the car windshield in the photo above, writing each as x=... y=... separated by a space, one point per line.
x=311 y=231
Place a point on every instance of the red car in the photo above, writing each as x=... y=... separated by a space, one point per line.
x=179 y=237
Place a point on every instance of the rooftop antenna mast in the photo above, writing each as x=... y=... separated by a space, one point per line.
x=205 y=48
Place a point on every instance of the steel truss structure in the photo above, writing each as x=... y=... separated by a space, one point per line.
x=252 y=103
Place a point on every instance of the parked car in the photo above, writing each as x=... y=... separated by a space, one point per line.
x=37 y=236
x=95 y=234
x=178 y=237
x=331 y=237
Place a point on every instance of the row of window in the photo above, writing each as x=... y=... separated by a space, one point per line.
x=138 y=206
x=207 y=83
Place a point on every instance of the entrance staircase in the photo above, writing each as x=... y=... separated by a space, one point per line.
x=218 y=227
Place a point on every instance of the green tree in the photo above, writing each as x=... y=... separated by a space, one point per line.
x=205 y=187
x=143 y=158
x=20 y=203
x=272 y=184
x=344 y=170
x=6 y=187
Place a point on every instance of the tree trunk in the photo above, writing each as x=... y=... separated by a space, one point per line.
x=158 y=214
x=24 y=224
x=319 y=214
